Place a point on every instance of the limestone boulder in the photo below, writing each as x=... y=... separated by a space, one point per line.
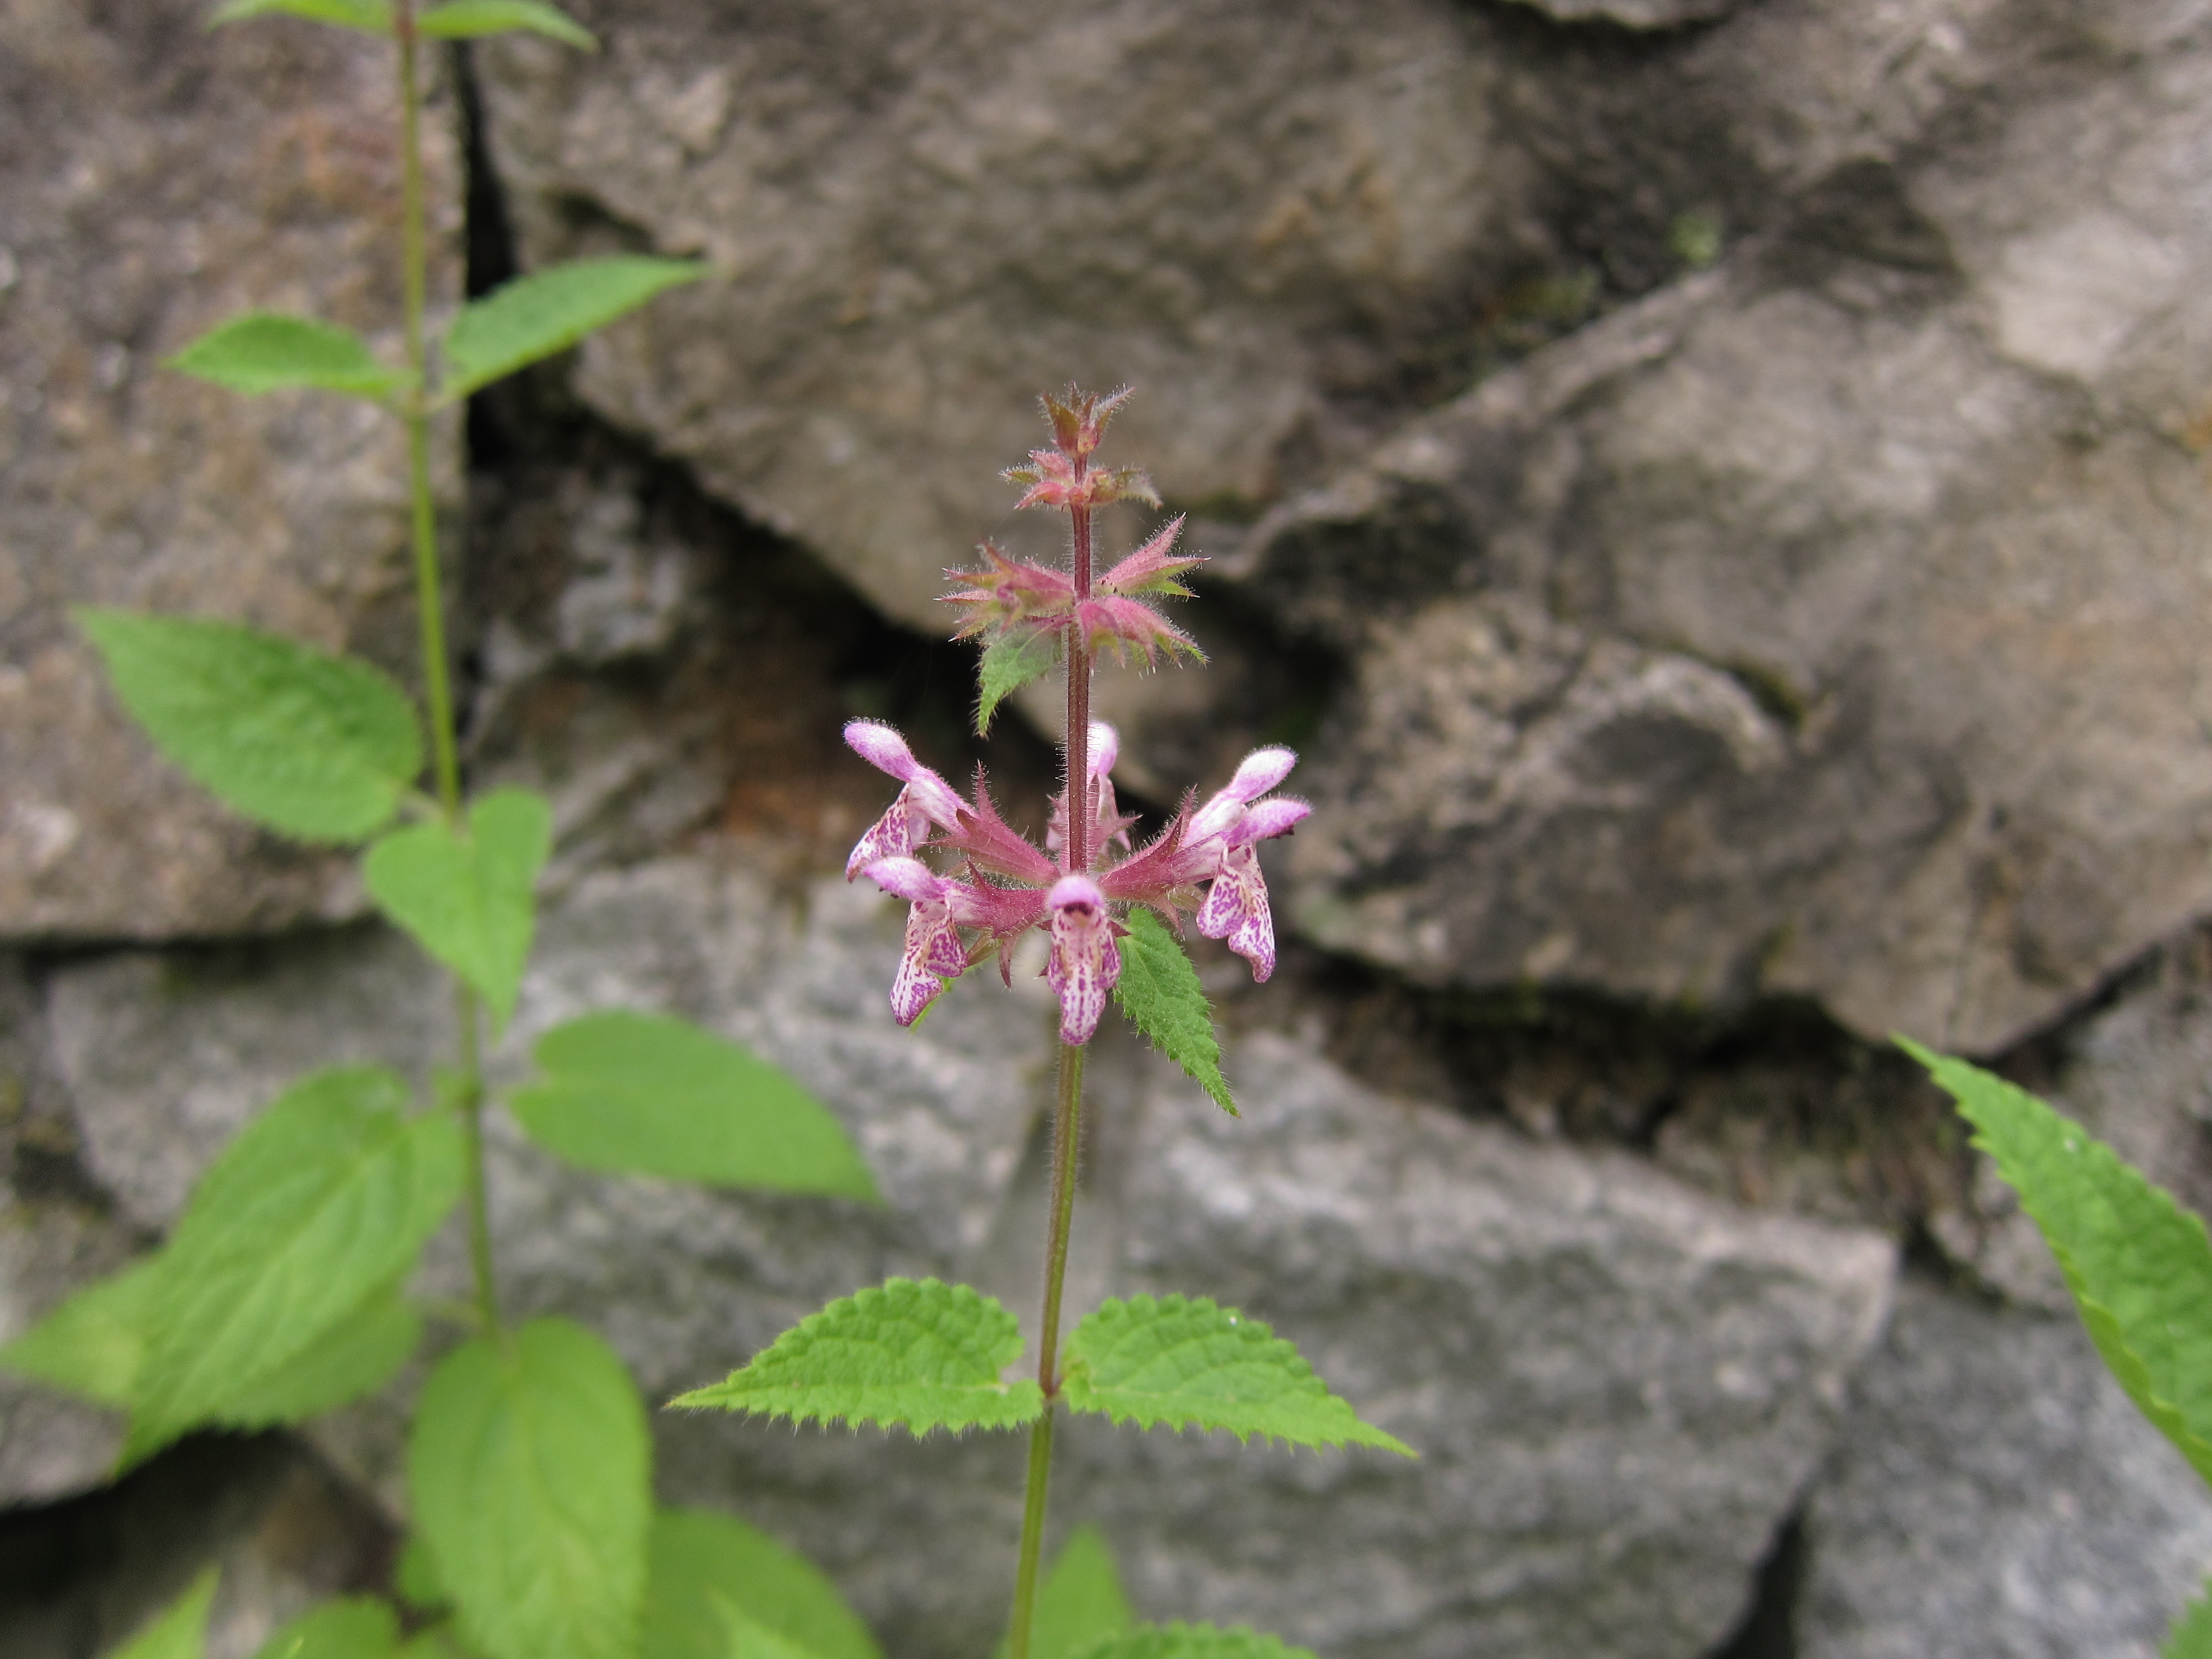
x=1619 y=1386
x=1822 y=626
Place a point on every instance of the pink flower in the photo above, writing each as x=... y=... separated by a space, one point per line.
x=1085 y=961
x=926 y=798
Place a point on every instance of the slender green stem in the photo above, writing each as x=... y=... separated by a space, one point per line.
x=467 y=1011
x=430 y=611
x=430 y=595
x=1066 y=1128
x=1025 y=1580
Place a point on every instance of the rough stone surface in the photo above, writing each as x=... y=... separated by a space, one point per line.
x=1538 y=1320
x=159 y=179
x=1821 y=625
x=1586 y=1355
x=55 y=1234
x=1824 y=625
x=80 y=1578
x=1996 y=1496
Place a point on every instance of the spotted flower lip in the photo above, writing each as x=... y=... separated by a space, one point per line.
x=1085 y=960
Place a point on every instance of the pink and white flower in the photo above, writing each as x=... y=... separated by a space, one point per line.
x=1206 y=860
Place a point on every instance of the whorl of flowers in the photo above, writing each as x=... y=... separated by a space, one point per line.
x=1087 y=874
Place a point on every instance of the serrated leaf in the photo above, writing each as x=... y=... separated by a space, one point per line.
x=327 y=1197
x=263 y=351
x=2191 y=1635
x=179 y=1630
x=909 y=1353
x=1081 y=1602
x=92 y=1344
x=529 y=1466
x=358 y=1627
x=372 y=15
x=1188 y=1363
x=470 y=898
x=2140 y=1266
x=465 y=20
x=1008 y=663
x=355 y=1357
x=645 y=1094
x=703 y=1563
x=547 y=311
x=1159 y=991
x=320 y=747
x=1193 y=1642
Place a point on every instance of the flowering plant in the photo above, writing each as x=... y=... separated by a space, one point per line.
x=923 y=1355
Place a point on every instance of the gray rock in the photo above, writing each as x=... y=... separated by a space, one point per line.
x=284 y=1532
x=1619 y=1386
x=54 y=1236
x=1762 y=606
x=164 y=1057
x=1637 y=14
x=1996 y=1495
x=1906 y=476
x=161 y=179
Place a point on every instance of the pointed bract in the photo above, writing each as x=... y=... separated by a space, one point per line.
x=1152 y=569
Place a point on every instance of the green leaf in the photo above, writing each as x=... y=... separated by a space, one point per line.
x=1193 y=1642
x=747 y=1638
x=1190 y=1364
x=648 y=1095
x=469 y=898
x=1159 y=991
x=529 y=1466
x=326 y=1198
x=415 y=1579
x=373 y=16
x=1008 y=663
x=1081 y=1602
x=464 y=20
x=180 y=1631
x=2191 y=1635
x=2140 y=1266
x=92 y=1345
x=549 y=310
x=320 y=747
x=912 y=1354
x=357 y=1356
x=263 y=352
x=703 y=1563
x=359 y=1627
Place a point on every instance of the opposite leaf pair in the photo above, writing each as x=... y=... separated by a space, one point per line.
x=923 y=1355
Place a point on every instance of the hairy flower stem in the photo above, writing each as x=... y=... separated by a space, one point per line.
x=1066 y=1129
x=430 y=611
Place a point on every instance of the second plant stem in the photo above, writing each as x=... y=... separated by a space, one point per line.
x=430 y=609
